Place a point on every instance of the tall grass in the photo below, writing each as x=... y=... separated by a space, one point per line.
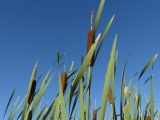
x=79 y=89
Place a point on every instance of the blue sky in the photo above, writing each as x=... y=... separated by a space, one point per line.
x=27 y=27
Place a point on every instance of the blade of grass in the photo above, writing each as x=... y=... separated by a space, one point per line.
x=9 y=118
x=152 y=99
x=103 y=37
x=99 y=12
x=107 y=81
x=9 y=102
x=81 y=101
x=15 y=112
x=147 y=65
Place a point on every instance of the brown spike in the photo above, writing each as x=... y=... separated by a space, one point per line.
x=94 y=114
x=148 y=118
x=110 y=96
x=91 y=38
x=63 y=80
x=32 y=92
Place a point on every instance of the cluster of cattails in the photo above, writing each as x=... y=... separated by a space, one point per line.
x=94 y=114
x=33 y=87
x=64 y=81
x=110 y=96
x=91 y=38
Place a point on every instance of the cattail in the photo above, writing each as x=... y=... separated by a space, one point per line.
x=32 y=92
x=94 y=114
x=126 y=91
x=110 y=96
x=149 y=118
x=91 y=38
x=63 y=80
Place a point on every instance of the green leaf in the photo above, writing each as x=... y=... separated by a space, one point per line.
x=100 y=9
x=81 y=101
x=152 y=99
x=9 y=102
x=103 y=37
x=15 y=112
x=107 y=81
x=147 y=65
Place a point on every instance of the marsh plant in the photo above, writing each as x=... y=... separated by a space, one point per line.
x=76 y=104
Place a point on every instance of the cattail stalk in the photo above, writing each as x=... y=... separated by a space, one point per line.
x=32 y=92
x=63 y=81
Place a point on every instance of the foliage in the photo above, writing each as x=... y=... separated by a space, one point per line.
x=79 y=90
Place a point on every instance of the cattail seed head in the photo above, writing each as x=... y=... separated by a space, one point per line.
x=32 y=92
x=149 y=118
x=63 y=81
x=94 y=114
x=91 y=38
x=110 y=96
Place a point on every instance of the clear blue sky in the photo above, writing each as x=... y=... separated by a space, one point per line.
x=26 y=27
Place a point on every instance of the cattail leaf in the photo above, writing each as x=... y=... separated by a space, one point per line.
x=15 y=112
x=11 y=113
x=58 y=57
x=147 y=80
x=151 y=99
x=74 y=103
x=20 y=114
x=131 y=100
x=115 y=63
x=9 y=102
x=103 y=37
x=88 y=93
x=99 y=12
x=41 y=113
x=52 y=109
x=75 y=116
x=122 y=91
x=147 y=65
x=81 y=101
x=137 y=105
x=107 y=81
x=128 y=107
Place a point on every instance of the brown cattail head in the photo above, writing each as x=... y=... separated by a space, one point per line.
x=32 y=92
x=110 y=96
x=91 y=38
x=149 y=118
x=63 y=80
x=94 y=114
